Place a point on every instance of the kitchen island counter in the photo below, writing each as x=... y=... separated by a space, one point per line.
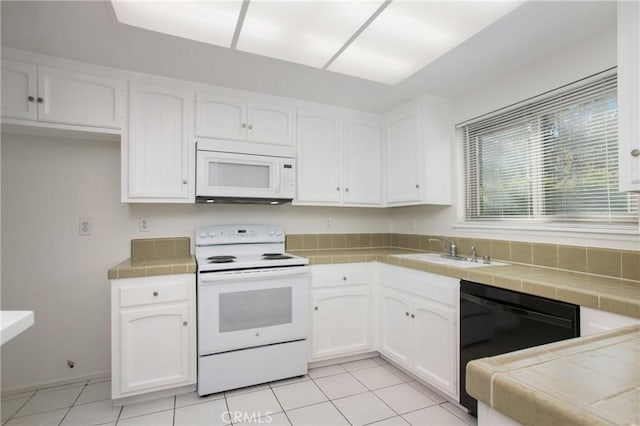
x=587 y=380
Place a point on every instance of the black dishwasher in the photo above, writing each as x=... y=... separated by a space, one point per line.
x=495 y=321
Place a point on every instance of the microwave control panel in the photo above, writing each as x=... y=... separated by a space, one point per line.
x=288 y=177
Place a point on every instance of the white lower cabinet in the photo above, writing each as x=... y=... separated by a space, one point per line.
x=153 y=334
x=341 y=314
x=418 y=324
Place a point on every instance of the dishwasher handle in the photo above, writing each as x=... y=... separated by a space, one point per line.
x=519 y=311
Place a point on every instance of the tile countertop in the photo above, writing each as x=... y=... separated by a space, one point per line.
x=589 y=380
x=156 y=256
x=608 y=294
x=132 y=268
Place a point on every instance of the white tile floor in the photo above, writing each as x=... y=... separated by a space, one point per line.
x=366 y=392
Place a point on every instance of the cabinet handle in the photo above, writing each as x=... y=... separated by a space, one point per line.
x=338 y=189
x=417 y=186
x=31 y=99
x=315 y=309
x=635 y=152
x=40 y=100
x=406 y=313
x=250 y=126
x=185 y=323
x=185 y=181
x=244 y=125
x=346 y=190
x=344 y=278
x=155 y=293
x=413 y=316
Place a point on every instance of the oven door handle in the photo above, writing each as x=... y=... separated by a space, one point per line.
x=216 y=277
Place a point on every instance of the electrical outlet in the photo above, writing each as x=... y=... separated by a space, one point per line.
x=85 y=226
x=143 y=224
x=327 y=223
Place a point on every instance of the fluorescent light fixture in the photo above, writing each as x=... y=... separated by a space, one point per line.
x=212 y=22
x=408 y=35
x=304 y=32
x=380 y=40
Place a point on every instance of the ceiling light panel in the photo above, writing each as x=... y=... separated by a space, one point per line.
x=212 y=22
x=305 y=32
x=408 y=35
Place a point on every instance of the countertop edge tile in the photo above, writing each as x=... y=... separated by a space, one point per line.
x=147 y=267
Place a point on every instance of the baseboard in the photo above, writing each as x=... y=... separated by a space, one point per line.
x=341 y=359
x=53 y=383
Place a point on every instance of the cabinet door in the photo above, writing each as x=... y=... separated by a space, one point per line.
x=155 y=347
x=268 y=123
x=18 y=84
x=81 y=99
x=362 y=163
x=340 y=321
x=159 y=141
x=221 y=117
x=404 y=156
x=434 y=344
x=318 y=158
x=629 y=94
x=395 y=326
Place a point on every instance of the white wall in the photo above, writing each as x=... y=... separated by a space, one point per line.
x=47 y=185
x=585 y=58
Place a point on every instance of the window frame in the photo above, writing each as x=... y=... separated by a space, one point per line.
x=536 y=221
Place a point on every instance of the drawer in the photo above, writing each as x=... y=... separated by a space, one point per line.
x=153 y=292
x=340 y=275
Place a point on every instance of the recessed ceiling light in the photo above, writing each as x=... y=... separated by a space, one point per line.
x=212 y=22
x=408 y=35
x=304 y=32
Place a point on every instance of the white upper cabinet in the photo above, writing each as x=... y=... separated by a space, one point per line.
x=418 y=153
x=268 y=121
x=404 y=155
x=629 y=94
x=160 y=145
x=339 y=159
x=220 y=117
x=362 y=162
x=318 y=155
x=53 y=95
x=19 y=91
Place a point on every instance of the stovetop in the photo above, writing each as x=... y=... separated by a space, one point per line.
x=224 y=247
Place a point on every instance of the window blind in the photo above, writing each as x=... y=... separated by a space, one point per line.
x=553 y=159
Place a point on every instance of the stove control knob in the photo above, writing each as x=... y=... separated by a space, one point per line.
x=270 y=232
x=203 y=235
x=212 y=234
x=278 y=232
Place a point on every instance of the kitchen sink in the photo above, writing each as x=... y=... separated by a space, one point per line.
x=448 y=261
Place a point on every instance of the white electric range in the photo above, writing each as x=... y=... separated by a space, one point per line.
x=252 y=307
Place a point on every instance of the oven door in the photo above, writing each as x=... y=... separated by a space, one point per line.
x=244 y=309
x=236 y=175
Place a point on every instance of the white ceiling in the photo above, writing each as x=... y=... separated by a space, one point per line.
x=88 y=31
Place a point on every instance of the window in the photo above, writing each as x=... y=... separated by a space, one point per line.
x=554 y=159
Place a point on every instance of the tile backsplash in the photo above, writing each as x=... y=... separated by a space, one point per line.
x=608 y=262
x=159 y=248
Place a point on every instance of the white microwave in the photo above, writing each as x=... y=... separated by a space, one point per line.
x=226 y=177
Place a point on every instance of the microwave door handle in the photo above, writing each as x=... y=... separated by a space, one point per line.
x=277 y=186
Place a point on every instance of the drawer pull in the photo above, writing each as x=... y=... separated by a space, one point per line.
x=344 y=278
x=185 y=323
x=406 y=314
x=413 y=316
x=315 y=309
x=155 y=293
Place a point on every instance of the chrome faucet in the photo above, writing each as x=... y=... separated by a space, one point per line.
x=474 y=254
x=453 y=248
